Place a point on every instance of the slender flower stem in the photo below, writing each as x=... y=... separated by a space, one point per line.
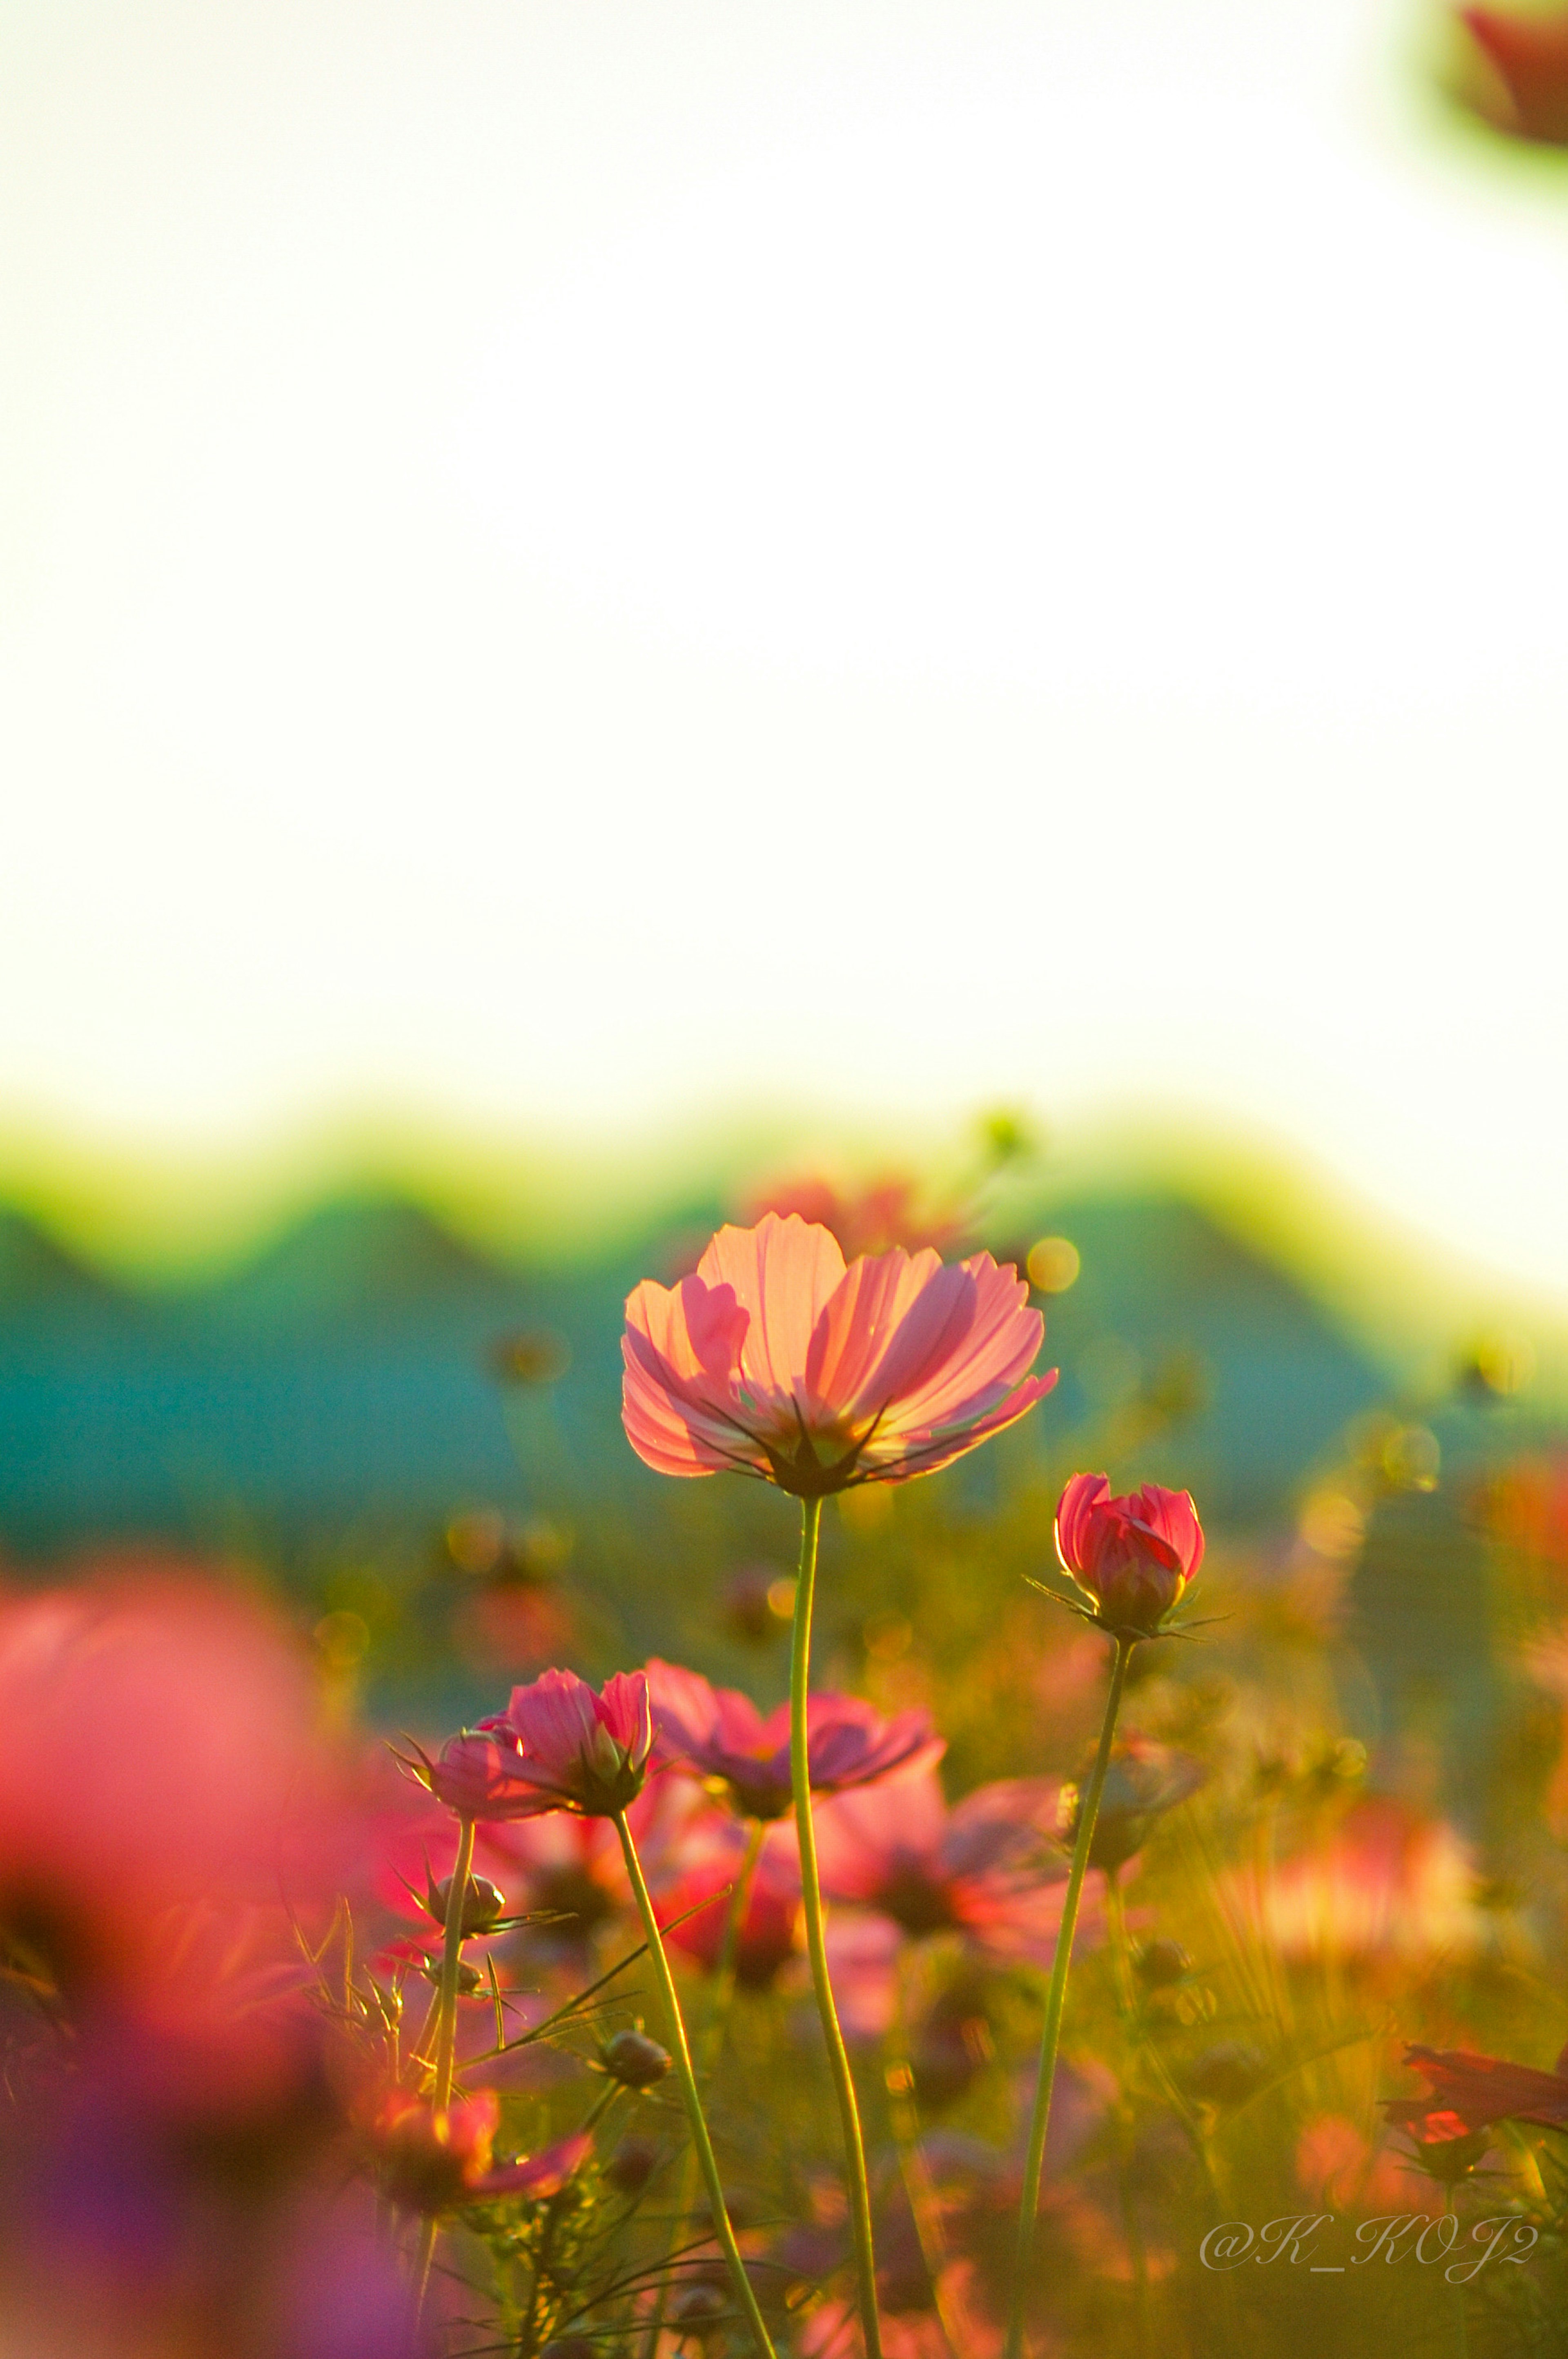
x=1088 y=1813
x=681 y=2051
x=816 y=1942
x=712 y=2041
x=451 y=1958
x=445 y=2031
x=1127 y=2009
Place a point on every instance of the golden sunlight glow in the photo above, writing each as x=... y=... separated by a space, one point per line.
x=565 y=566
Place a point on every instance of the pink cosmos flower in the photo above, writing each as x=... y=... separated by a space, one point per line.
x=557 y=1747
x=1134 y=1556
x=776 y=1361
x=720 y=1734
x=982 y=1869
x=1530 y=57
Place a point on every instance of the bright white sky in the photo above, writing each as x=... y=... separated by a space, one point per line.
x=568 y=562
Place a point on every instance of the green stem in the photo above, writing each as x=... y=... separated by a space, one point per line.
x=680 y=2051
x=1461 y=2331
x=1088 y=1813
x=445 y=2032
x=712 y=2041
x=816 y=1942
x=1126 y=2141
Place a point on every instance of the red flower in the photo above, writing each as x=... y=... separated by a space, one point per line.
x=1530 y=56
x=775 y=1361
x=557 y=1747
x=719 y=1734
x=1134 y=1556
x=1470 y=2091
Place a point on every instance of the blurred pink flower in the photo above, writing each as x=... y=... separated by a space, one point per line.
x=159 y=1752
x=1386 y=1884
x=713 y=1863
x=1134 y=1556
x=775 y=1361
x=982 y=1869
x=1343 y=2171
x=719 y=1734
x=1530 y=57
x=557 y=1747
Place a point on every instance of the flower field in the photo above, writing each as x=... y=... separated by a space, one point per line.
x=1037 y=1961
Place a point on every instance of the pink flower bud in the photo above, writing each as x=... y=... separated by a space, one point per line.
x=1133 y=1556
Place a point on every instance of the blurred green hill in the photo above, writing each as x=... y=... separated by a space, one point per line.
x=348 y=1371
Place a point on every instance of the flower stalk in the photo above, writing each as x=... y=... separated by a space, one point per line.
x=1056 y=1999
x=681 y=2051
x=445 y=2031
x=815 y=1940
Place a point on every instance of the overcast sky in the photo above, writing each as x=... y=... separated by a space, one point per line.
x=566 y=564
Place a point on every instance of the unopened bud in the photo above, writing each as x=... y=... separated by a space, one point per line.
x=631 y=2165
x=635 y=2061
x=484 y=1904
x=1228 y=2073
x=1158 y=1964
x=697 y=2309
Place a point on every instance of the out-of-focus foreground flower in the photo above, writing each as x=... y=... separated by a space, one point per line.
x=774 y=1360
x=1528 y=60
x=170 y=1822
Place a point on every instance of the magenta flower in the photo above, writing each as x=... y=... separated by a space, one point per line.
x=774 y=1360
x=983 y=1869
x=1133 y=1556
x=557 y=1747
x=721 y=1735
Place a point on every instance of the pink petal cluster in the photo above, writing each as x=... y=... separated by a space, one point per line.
x=1133 y=1556
x=559 y=1745
x=776 y=1360
x=719 y=1734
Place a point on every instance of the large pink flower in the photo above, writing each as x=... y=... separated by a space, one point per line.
x=1134 y=1556
x=557 y=1747
x=719 y=1734
x=776 y=1360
